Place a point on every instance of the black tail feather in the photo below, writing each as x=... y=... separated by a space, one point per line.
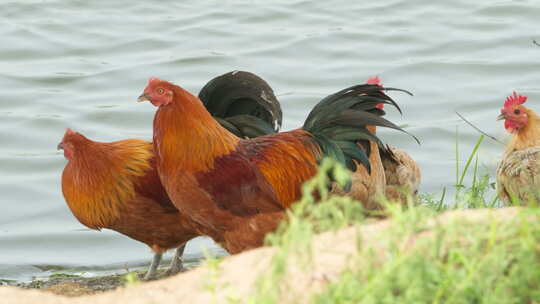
x=240 y=94
x=339 y=122
x=249 y=126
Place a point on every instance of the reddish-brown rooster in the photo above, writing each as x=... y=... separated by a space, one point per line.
x=238 y=189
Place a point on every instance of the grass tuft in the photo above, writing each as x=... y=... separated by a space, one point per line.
x=478 y=193
x=491 y=262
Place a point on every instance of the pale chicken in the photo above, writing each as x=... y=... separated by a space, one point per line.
x=518 y=179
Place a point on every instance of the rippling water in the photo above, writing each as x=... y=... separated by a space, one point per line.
x=81 y=64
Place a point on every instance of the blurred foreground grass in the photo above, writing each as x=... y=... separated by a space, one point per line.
x=419 y=260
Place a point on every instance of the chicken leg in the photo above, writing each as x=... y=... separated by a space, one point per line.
x=177 y=263
x=151 y=274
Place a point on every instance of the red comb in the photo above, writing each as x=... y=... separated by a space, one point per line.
x=514 y=99
x=69 y=131
x=374 y=80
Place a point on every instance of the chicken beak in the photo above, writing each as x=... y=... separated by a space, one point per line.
x=143 y=97
x=501 y=117
x=60 y=146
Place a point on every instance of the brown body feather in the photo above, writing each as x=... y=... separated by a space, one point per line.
x=368 y=187
x=116 y=186
x=278 y=159
x=403 y=175
x=393 y=173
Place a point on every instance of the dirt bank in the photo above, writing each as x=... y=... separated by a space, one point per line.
x=235 y=277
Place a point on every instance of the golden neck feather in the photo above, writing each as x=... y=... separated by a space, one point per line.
x=187 y=137
x=528 y=136
x=101 y=179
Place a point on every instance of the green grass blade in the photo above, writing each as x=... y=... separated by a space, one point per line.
x=471 y=156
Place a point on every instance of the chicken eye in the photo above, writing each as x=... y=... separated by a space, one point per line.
x=517 y=111
x=160 y=91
